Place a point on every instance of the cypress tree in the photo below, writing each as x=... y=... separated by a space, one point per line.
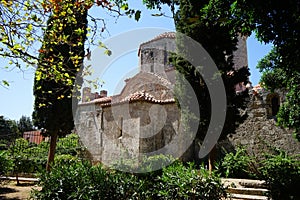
x=197 y=20
x=61 y=58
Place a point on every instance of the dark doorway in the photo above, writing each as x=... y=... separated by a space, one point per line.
x=275 y=105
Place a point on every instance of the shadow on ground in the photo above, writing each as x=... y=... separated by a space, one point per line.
x=12 y=191
x=4 y=191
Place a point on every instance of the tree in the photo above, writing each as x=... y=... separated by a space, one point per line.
x=275 y=76
x=278 y=22
x=20 y=29
x=8 y=131
x=22 y=24
x=53 y=98
x=64 y=24
x=207 y=22
x=25 y=124
x=60 y=64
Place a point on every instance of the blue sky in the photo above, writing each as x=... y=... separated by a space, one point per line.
x=17 y=100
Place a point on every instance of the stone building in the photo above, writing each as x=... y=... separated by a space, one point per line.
x=144 y=119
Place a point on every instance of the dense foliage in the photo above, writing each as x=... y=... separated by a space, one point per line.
x=25 y=124
x=280 y=171
x=219 y=39
x=25 y=157
x=238 y=165
x=282 y=174
x=8 y=132
x=80 y=180
x=277 y=76
x=6 y=163
x=53 y=95
x=185 y=182
x=23 y=24
x=278 y=22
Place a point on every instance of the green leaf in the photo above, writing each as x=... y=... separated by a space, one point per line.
x=124 y=6
x=137 y=15
x=5 y=83
x=108 y=52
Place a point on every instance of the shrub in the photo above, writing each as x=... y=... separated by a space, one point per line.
x=6 y=163
x=68 y=181
x=69 y=145
x=282 y=174
x=238 y=165
x=31 y=158
x=180 y=182
x=80 y=180
x=65 y=159
x=145 y=164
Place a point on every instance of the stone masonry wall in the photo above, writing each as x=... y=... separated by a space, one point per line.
x=126 y=131
x=259 y=133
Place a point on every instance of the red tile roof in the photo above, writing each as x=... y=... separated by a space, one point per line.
x=137 y=96
x=98 y=100
x=142 y=95
x=256 y=89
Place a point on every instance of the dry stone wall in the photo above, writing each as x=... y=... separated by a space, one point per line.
x=259 y=133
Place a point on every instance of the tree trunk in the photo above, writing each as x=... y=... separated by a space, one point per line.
x=211 y=159
x=17 y=179
x=51 y=152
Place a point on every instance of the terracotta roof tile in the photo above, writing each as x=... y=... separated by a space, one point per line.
x=142 y=95
x=137 y=96
x=98 y=100
x=256 y=89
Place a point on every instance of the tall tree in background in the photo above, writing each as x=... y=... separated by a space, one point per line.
x=8 y=132
x=63 y=54
x=25 y=124
x=278 y=22
x=207 y=23
x=60 y=64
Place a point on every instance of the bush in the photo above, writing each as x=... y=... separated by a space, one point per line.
x=238 y=165
x=180 y=182
x=31 y=158
x=6 y=164
x=69 y=145
x=145 y=164
x=80 y=180
x=68 y=181
x=282 y=174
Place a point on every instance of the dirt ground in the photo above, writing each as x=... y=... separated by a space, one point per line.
x=10 y=191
